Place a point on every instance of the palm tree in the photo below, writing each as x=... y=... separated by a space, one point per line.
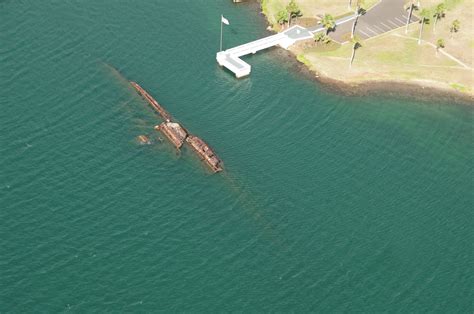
x=359 y=11
x=355 y=44
x=439 y=44
x=425 y=18
x=412 y=7
x=328 y=22
x=288 y=11
x=438 y=14
x=282 y=17
x=293 y=10
x=361 y=6
x=455 y=26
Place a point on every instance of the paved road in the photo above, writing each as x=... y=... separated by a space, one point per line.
x=384 y=17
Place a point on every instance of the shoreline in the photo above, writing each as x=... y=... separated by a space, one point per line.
x=427 y=91
x=394 y=89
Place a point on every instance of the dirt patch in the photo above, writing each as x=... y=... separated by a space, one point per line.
x=307 y=21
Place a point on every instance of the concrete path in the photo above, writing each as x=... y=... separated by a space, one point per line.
x=440 y=51
x=341 y=21
x=230 y=58
x=383 y=17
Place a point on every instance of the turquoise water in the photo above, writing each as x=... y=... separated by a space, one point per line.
x=328 y=203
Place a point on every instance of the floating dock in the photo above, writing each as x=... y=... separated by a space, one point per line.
x=177 y=134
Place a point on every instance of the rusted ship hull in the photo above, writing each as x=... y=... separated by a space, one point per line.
x=152 y=101
x=174 y=132
x=205 y=152
x=177 y=134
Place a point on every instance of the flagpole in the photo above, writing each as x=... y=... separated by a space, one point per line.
x=221 y=32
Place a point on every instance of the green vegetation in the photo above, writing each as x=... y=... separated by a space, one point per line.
x=282 y=17
x=359 y=11
x=312 y=9
x=328 y=22
x=264 y=5
x=425 y=19
x=356 y=43
x=391 y=57
x=411 y=7
x=455 y=26
x=318 y=37
x=322 y=38
x=293 y=11
x=448 y=4
x=439 y=13
x=460 y=87
x=439 y=44
x=401 y=55
x=302 y=59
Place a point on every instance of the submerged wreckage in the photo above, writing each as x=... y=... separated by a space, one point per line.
x=174 y=132
x=177 y=134
x=205 y=152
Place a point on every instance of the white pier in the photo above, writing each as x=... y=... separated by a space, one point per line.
x=230 y=58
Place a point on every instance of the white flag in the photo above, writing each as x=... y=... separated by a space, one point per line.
x=224 y=20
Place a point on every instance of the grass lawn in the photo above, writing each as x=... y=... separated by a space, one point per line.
x=390 y=57
x=458 y=44
x=396 y=55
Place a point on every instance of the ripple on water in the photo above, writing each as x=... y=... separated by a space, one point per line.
x=362 y=203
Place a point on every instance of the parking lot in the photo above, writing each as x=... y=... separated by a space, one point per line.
x=384 y=17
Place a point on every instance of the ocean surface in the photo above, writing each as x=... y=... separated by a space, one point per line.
x=328 y=203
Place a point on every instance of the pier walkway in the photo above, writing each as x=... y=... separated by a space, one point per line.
x=385 y=16
x=230 y=58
